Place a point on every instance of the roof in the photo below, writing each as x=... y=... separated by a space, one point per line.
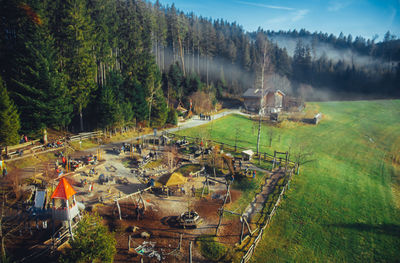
x=171 y=179
x=256 y=93
x=63 y=190
x=252 y=93
x=248 y=152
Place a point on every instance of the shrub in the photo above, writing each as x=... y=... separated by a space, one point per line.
x=211 y=249
x=244 y=183
x=172 y=117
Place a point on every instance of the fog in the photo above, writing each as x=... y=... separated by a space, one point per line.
x=346 y=55
x=216 y=67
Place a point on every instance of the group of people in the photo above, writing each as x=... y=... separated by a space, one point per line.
x=205 y=117
x=23 y=139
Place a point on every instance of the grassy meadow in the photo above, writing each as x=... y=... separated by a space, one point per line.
x=345 y=204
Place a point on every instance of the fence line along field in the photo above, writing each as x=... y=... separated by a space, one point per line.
x=345 y=205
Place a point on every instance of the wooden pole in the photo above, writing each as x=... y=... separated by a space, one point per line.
x=247 y=224
x=273 y=163
x=190 y=252
x=204 y=185
x=222 y=211
x=119 y=209
x=180 y=242
x=141 y=199
x=241 y=232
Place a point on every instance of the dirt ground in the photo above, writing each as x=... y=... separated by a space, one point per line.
x=158 y=221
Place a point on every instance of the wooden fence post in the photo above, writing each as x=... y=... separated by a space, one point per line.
x=190 y=251
x=119 y=209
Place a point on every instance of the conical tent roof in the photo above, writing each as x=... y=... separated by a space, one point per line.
x=63 y=190
x=171 y=179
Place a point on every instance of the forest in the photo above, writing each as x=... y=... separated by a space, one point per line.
x=86 y=64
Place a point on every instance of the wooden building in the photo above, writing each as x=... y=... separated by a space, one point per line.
x=273 y=100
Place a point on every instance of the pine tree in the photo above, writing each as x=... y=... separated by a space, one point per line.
x=39 y=88
x=159 y=112
x=109 y=110
x=9 y=118
x=77 y=54
x=92 y=243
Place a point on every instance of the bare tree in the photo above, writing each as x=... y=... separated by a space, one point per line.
x=271 y=135
x=279 y=82
x=301 y=153
x=202 y=102
x=11 y=219
x=215 y=159
x=264 y=67
x=238 y=131
x=171 y=157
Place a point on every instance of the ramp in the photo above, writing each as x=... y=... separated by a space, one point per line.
x=39 y=199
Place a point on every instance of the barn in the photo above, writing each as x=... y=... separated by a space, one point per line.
x=273 y=100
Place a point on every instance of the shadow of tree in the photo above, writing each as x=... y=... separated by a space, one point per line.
x=385 y=229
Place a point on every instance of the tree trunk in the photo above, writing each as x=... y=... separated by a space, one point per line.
x=81 y=117
x=259 y=134
x=181 y=51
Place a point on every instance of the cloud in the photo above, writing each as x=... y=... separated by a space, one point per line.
x=392 y=16
x=299 y=14
x=292 y=17
x=334 y=5
x=265 y=6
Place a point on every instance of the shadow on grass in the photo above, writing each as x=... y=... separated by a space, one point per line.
x=385 y=229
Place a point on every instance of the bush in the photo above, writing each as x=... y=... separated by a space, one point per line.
x=244 y=183
x=211 y=249
x=172 y=117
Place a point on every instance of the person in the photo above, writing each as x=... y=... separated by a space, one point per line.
x=193 y=190
x=137 y=210
x=240 y=164
x=254 y=174
x=5 y=172
x=183 y=190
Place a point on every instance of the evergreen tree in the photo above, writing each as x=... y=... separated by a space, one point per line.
x=38 y=87
x=172 y=117
x=77 y=54
x=92 y=242
x=9 y=118
x=109 y=110
x=159 y=109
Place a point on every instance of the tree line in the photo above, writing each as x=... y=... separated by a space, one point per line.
x=85 y=64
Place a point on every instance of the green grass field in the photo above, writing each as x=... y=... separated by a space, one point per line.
x=345 y=205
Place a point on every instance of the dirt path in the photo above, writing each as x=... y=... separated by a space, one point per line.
x=259 y=200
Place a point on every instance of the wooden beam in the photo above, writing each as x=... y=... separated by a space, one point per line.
x=222 y=210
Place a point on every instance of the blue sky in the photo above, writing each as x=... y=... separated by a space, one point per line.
x=357 y=17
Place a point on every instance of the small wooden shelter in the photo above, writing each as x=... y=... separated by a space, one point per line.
x=247 y=155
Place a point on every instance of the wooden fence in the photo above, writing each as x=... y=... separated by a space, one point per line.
x=236 y=149
x=259 y=237
x=24 y=150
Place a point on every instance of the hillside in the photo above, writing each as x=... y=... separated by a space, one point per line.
x=344 y=205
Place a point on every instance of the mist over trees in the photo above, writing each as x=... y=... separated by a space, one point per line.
x=84 y=64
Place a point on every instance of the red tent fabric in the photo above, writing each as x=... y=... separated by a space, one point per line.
x=63 y=190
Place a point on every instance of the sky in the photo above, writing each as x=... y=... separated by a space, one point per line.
x=365 y=18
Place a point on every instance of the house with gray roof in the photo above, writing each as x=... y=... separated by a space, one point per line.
x=273 y=100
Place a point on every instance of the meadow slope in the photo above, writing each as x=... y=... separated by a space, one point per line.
x=345 y=204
